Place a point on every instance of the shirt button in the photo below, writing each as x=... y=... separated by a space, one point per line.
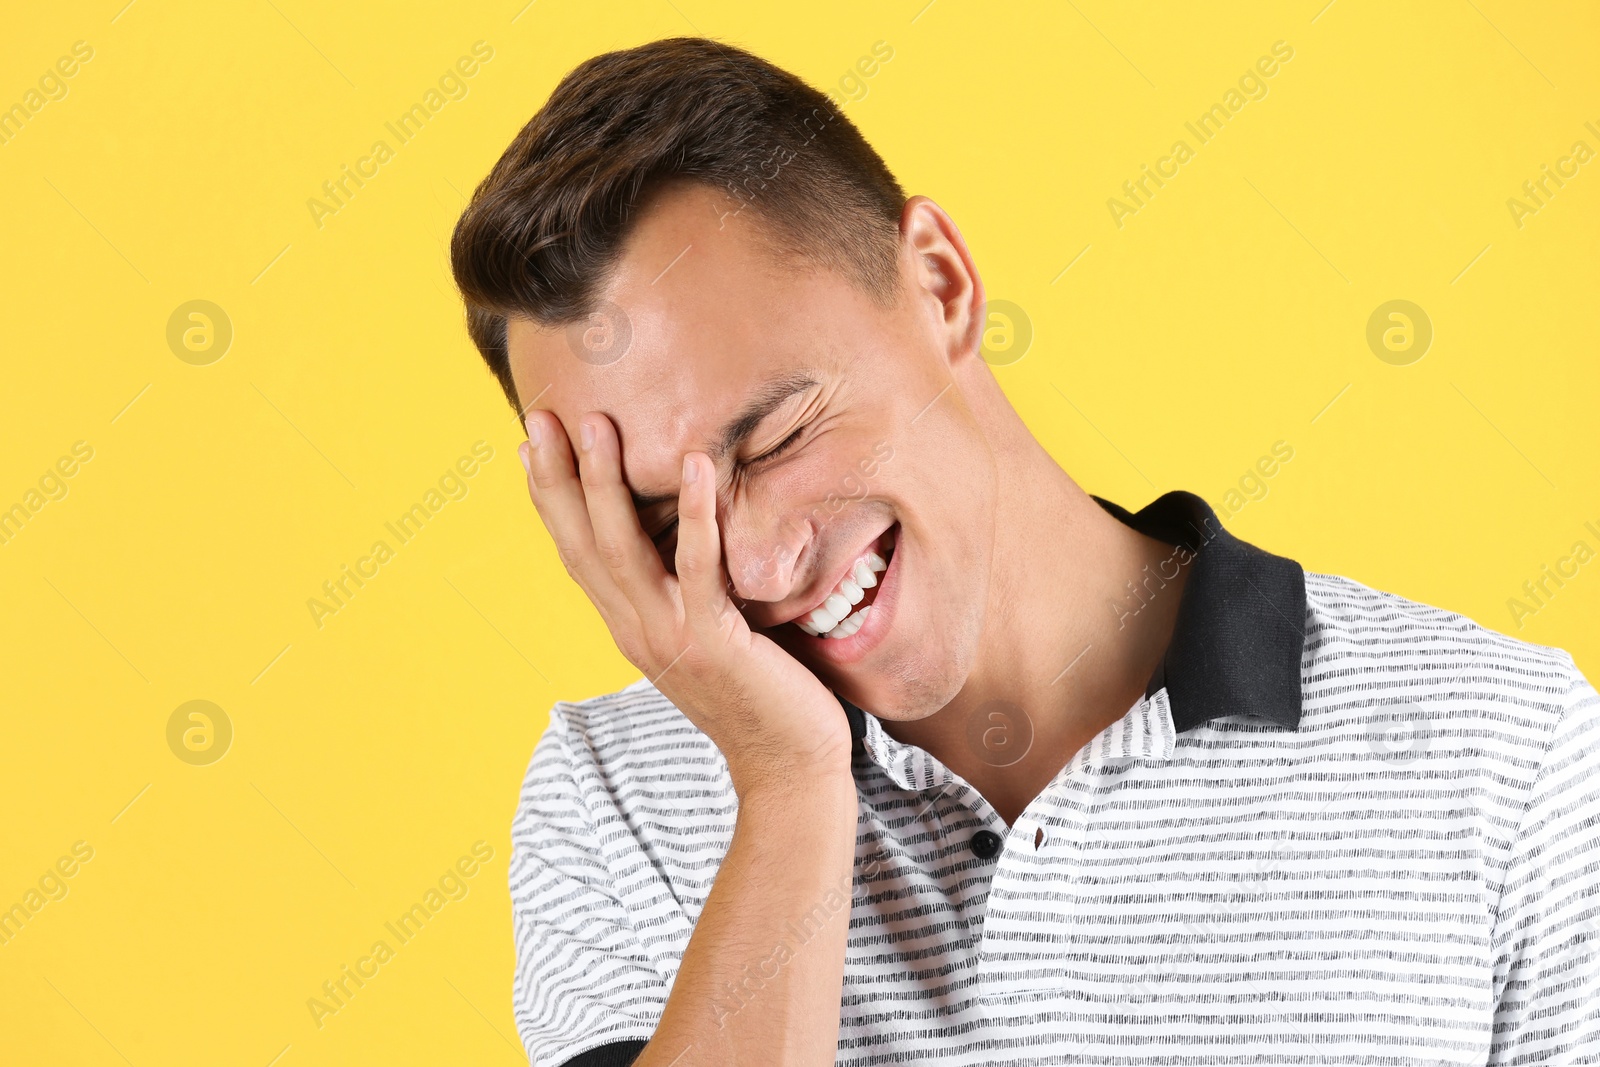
x=985 y=843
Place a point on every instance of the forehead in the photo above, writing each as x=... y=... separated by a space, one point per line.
x=695 y=317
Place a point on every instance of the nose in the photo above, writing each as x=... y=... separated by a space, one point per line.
x=759 y=554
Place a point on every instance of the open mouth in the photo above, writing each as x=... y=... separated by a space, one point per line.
x=849 y=604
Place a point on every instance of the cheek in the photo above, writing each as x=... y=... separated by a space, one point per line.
x=767 y=515
x=948 y=479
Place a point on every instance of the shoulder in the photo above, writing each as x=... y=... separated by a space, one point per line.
x=625 y=742
x=608 y=721
x=1368 y=650
x=630 y=782
x=1374 y=624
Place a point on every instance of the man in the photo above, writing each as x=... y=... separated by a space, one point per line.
x=938 y=759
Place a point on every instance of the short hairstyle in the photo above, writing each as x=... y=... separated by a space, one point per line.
x=549 y=222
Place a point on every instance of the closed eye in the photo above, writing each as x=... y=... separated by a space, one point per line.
x=783 y=446
x=787 y=441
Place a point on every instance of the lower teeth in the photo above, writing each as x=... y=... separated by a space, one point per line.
x=849 y=624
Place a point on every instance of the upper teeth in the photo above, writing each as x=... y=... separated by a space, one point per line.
x=834 y=618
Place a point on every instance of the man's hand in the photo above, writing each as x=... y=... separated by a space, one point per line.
x=774 y=722
x=781 y=731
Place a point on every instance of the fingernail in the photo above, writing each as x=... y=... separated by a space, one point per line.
x=691 y=471
x=523 y=450
x=535 y=434
x=585 y=436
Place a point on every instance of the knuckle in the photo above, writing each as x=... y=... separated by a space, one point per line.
x=633 y=652
x=612 y=551
x=634 y=644
x=659 y=660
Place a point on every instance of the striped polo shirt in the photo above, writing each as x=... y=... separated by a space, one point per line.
x=1341 y=827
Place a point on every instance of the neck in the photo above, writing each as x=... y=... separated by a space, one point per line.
x=1067 y=647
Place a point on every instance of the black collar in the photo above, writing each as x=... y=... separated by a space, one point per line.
x=1238 y=639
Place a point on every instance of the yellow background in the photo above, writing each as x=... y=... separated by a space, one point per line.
x=370 y=754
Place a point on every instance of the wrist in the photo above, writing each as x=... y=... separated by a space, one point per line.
x=807 y=791
x=781 y=771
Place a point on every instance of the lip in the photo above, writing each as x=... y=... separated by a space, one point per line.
x=846 y=650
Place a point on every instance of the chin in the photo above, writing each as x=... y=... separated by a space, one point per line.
x=914 y=686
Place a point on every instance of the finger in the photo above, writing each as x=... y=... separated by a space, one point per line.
x=629 y=554
x=558 y=495
x=702 y=580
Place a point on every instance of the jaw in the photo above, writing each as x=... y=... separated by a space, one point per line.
x=939 y=613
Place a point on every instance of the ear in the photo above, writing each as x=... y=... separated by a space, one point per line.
x=945 y=278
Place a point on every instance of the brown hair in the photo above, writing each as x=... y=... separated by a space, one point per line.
x=549 y=221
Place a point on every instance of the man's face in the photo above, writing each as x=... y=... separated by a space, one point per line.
x=860 y=434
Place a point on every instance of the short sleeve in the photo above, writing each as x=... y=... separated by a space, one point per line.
x=1547 y=928
x=585 y=990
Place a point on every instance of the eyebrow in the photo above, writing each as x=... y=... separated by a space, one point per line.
x=767 y=399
